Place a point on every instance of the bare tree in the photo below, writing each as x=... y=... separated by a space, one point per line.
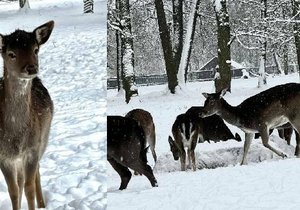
x=262 y=79
x=188 y=42
x=296 y=17
x=165 y=38
x=120 y=20
x=223 y=77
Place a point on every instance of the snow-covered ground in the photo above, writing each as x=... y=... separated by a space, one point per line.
x=267 y=182
x=73 y=68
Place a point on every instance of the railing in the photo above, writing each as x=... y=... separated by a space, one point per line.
x=191 y=77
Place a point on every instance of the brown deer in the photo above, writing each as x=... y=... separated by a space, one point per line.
x=26 y=111
x=145 y=120
x=126 y=149
x=260 y=113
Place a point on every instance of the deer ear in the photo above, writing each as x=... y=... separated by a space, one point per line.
x=205 y=95
x=43 y=32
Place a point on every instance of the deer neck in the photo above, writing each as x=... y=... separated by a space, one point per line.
x=17 y=101
x=229 y=113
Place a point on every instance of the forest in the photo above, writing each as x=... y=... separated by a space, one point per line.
x=176 y=38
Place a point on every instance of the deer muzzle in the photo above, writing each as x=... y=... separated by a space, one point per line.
x=30 y=70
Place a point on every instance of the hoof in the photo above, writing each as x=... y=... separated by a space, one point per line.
x=284 y=155
x=237 y=137
x=154 y=184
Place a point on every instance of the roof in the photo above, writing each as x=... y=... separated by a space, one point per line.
x=212 y=63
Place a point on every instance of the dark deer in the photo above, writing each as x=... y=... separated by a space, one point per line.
x=26 y=111
x=185 y=132
x=212 y=128
x=260 y=113
x=189 y=128
x=126 y=149
x=145 y=120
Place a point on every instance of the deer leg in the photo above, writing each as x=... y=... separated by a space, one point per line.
x=10 y=175
x=281 y=133
x=39 y=193
x=288 y=135
x=297 y=149
x=248 y=139
x=152 y=145
x=123 y=172
x=189 y=158
x=182 y=156
x=20 y=175
x=153 y=153
x=30 y=180
x=145 y=169
x=265 y=140
x=296 y=126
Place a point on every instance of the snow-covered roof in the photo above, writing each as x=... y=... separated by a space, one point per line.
x=212 y=63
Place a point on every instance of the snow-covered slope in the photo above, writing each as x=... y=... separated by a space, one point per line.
x=73 y=68
x=267 y=182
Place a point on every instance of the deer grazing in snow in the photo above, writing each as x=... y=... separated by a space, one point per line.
x=126 y=149
x=145 y=120
x=185 y=133
x=189 y=128
x=26 y=111
x=260 y=113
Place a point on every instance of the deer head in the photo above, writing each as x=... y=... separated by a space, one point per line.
x=20 y=50
x=213 y=103
x=174 y=149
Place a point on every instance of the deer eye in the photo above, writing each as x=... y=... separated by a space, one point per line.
x=36 y=51
x=12 y=55
x=211 y=103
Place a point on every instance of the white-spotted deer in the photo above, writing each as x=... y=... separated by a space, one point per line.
x=145 y=120
x=190 y=128
x=185 y=132
x=259 y=113
x=26 y=111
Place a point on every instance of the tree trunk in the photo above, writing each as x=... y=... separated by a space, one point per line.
x=24 y=4
x=278 y=64
x=285 y=59
x=188 y=43
x=223 y=81
x=262 y=79
x=118 y=66
x=166 y=45
x=127 y=53
x=296 y=10
x=178 y=31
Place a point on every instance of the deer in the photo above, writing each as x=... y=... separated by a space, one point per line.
x=185 y=132
x=212 y=127
x=126 y=149
x=266 y=110
x=145 y=120
x=26 y=112
x=190 y=129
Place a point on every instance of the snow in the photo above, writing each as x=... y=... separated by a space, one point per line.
x=73 y=68
x=266 y=182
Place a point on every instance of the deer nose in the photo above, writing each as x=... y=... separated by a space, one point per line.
x=31 y=69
